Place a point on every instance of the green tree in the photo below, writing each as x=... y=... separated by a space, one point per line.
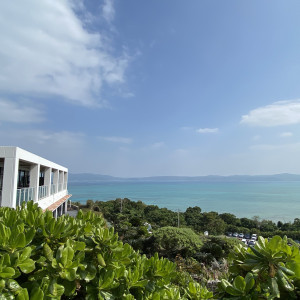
x=213 y=223
x=193 y=217
x=230 y=219
x=248 y=223
x=266 y=225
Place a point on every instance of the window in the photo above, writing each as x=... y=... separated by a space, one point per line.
x=23 y=179
x=42 y=178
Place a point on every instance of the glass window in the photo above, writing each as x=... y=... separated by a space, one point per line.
x=42 y=178
x=23 y=179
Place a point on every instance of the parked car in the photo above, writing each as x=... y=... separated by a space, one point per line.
x=229 y=233
x=244 y=241
x=254 y=236
x=247 y=236
x=235 y=234
x=241 y=235
x=251 y=243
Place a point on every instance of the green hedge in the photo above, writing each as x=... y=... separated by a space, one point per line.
x=80 y=258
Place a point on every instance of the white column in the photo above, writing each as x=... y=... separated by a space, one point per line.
x=10 y=182
x=66 y=180
x=66 y=207
x=55 y=180
x=61 y=179
x=47 y=180
x=35 y=180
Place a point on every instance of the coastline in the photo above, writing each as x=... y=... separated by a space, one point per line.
x=276 y=201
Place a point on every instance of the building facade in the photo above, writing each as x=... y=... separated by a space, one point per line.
x=25 y=176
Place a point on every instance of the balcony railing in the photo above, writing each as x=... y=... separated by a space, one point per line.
x=25 y=195
x=53 y=189
x=43 y=191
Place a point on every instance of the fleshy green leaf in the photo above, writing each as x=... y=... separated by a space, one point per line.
x=7 y=272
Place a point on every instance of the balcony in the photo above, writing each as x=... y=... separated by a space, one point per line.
x=53 y=189
x=43 y=191
x=27 y=194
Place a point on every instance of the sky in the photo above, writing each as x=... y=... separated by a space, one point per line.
x=136 y=88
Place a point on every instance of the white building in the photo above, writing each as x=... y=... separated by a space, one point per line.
x=25 y=176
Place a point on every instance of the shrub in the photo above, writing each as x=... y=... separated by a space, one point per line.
x=269 y=270
x=170 y=241
x=79 y=258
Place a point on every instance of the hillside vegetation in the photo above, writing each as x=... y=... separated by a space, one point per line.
x=80 y=258
x=127 y=213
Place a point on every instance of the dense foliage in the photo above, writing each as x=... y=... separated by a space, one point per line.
x=171 y=241
x=269 y=270
x=80 y=258
x=131 y=220
x=137 y=213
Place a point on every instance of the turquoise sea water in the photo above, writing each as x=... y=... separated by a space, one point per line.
x=268 y=200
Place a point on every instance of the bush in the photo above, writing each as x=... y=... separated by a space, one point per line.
x=170 y=241
x=79 y=258
x=269 y=270
x=215 y=249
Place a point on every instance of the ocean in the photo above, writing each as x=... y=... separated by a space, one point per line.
x=269 y=200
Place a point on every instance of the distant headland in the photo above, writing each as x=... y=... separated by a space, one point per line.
x=94 y=178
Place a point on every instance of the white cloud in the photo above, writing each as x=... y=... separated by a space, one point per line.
x=108 y=10
x=256 y=137
x=276 y=114
x=208 y=130
x=286 y=134
x=46 y=51
x=116 y=139
x=42 y=142
x=19 y=112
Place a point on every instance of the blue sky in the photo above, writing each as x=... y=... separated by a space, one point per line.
x=143 y=88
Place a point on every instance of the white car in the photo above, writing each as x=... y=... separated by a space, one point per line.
x=254 y=236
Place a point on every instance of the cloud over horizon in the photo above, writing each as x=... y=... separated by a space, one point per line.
x=47 y=51
x=276 y=114
x=208 y=130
